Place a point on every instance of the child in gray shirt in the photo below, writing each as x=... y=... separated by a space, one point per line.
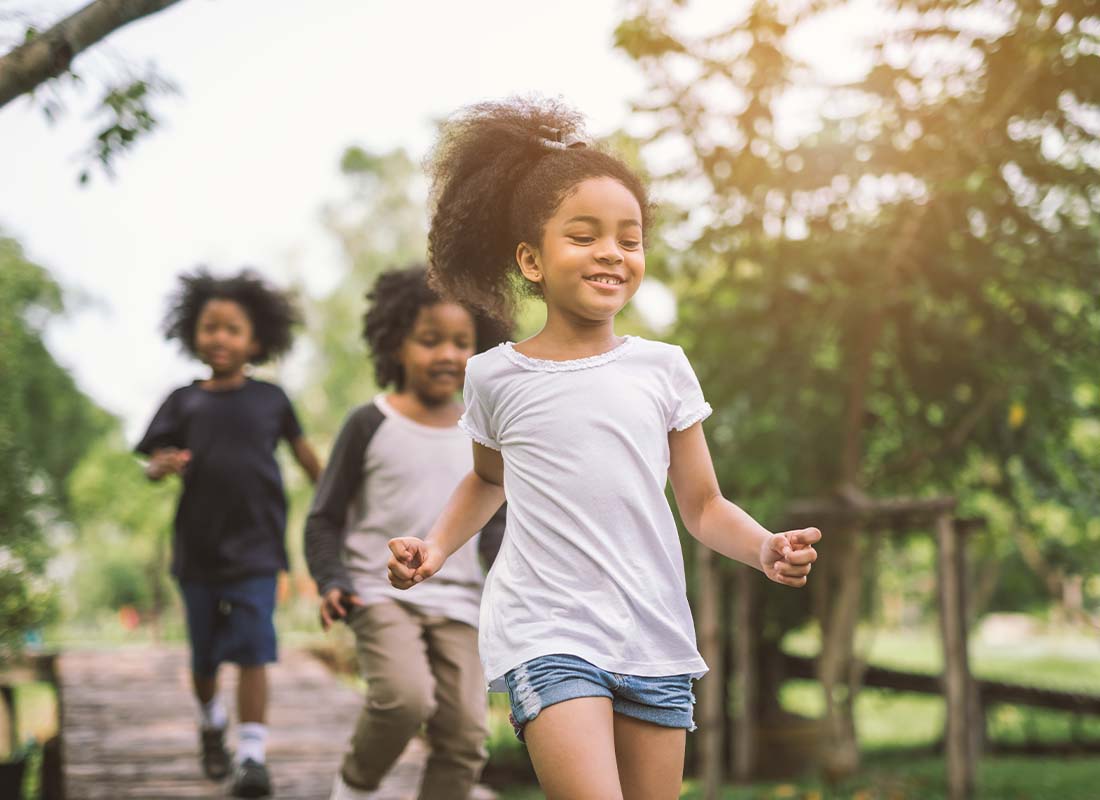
x=394 y=464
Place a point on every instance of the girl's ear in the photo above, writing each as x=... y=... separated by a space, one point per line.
x=528 y=259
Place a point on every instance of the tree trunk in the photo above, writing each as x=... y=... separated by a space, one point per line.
x=985 y=584
x=839 y=619
x=839 y=612
x=711 y=690
x=49 y=54
x=746 y=682
x=1073 y=596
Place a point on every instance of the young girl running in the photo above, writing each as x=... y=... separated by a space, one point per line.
x=220 y=434
x=395 y=462
x=585 y=619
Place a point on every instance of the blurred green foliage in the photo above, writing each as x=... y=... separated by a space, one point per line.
x=892 y=284
x=46 y=424
x=124 y=529
x=380 y=223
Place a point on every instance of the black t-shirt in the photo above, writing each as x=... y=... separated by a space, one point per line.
x=231 y=520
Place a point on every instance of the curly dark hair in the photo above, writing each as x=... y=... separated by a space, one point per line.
x=272 y=312
x=495 y=183
x=393 y=303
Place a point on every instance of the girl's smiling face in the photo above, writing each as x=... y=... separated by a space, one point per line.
x=224 y=337
x=433 y=356
x=590 y=261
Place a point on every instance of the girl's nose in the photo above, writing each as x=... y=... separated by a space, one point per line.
x=609 y=252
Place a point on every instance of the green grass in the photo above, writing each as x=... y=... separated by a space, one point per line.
x=903 y=778
x=884 y=719
x=890 y=720
x=36 y=705
x=1069 y=662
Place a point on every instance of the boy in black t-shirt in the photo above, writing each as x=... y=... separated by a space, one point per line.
x=220 y=435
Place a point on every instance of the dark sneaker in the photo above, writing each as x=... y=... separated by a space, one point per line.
x=250 y=779
x=215 y=758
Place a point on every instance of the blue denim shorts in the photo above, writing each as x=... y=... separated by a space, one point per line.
x=230 y=621
x=544 y=681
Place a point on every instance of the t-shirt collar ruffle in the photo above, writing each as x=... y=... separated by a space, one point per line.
x=548 y=365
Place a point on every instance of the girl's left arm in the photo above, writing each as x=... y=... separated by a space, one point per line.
x=726 y=528
x=304 y=455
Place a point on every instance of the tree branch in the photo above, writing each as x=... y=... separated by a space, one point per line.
x=49 y=54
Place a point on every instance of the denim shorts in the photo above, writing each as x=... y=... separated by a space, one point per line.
x=230 y=621
x=544 y=681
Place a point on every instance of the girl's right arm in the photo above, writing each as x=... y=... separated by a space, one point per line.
x=472 y=505
x=724 y=527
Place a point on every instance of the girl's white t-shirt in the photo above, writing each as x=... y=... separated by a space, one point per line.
x=591 y=564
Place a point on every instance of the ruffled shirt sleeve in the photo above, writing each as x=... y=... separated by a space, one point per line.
x=477 y=421
x=688 y=405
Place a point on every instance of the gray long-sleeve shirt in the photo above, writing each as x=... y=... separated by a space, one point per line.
x=389 y=476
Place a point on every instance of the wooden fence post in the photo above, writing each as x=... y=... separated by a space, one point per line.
x=958 y=686
x=710 y=709
x=745 y=679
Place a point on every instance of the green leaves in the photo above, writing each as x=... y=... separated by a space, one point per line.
x=940 y=211
x=46 y=424
x=642 y=37
x=128 y=107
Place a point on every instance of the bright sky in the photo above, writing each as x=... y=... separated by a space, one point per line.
x=271 y=94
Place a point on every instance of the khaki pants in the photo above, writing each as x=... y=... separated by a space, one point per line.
x=420 y=669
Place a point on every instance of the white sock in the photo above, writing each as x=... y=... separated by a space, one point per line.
x=251 y=741
x=213 y=714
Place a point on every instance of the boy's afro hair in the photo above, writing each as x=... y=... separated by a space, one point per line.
x=393 y=304
x=272 y=312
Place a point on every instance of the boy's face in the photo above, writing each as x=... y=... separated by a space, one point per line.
x=435 y=352
x=223 y=336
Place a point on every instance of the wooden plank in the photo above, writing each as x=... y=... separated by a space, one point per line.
x=129 y=728
x=990 y=692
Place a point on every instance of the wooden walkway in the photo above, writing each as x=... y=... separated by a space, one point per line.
x=129 y=729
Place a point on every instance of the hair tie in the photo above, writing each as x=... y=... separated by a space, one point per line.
x=555 y=140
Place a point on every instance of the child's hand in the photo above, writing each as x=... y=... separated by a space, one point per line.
x=336 y=605
x=167 y=461
x=413 y=561
x=787 y=557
